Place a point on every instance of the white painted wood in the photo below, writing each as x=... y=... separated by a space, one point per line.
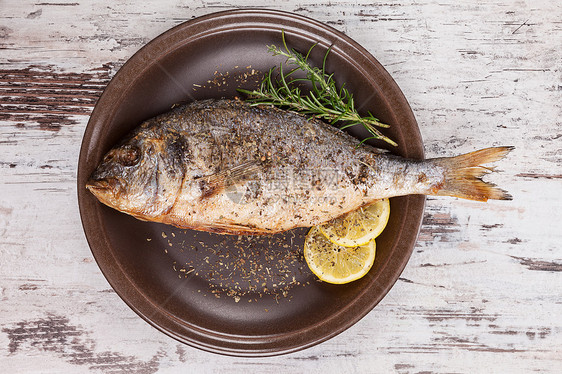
x=482 y=291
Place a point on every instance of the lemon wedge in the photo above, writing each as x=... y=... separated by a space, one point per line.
x=359 y=227
x=336 y=264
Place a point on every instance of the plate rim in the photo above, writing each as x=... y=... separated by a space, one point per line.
x=113 y=272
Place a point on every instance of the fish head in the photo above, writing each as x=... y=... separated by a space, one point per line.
x=127 y=179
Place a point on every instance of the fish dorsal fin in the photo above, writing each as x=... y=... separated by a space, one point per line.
x=214 y=183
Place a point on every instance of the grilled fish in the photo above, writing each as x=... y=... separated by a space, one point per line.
x=228 y=167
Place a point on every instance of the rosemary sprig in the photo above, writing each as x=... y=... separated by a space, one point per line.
x=323 y=100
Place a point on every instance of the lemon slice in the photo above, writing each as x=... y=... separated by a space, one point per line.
x=358 y=227
x=336 y=264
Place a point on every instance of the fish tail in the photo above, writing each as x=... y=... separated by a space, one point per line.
x=463 y=175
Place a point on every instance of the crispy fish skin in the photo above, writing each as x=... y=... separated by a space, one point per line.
x=228 y=167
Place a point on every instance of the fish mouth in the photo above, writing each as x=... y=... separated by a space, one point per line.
x=97 y=186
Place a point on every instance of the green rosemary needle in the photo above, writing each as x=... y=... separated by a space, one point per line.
x=321 y=100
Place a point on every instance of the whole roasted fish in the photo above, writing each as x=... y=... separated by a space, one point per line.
x=228 y=167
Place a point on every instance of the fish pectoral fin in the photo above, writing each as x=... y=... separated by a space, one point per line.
x=242 y=172
x=215 y=183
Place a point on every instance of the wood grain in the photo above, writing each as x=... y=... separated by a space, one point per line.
x=482 y=291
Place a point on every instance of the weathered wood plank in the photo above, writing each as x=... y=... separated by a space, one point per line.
x=481 y=292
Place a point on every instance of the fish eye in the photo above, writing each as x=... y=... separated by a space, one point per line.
x=128 y=156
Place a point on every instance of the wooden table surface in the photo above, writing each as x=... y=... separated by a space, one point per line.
x=482 y=290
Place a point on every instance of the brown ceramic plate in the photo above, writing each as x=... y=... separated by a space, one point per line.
x=242 y=296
